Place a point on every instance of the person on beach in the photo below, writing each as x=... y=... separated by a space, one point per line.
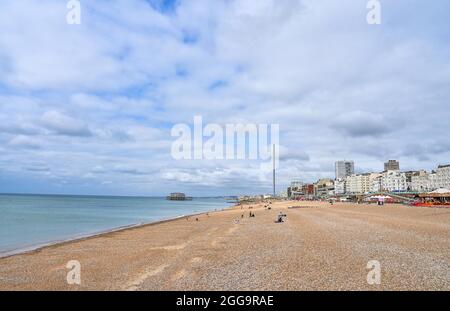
x=281 y=217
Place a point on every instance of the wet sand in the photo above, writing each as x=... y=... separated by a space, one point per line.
x=322 y=247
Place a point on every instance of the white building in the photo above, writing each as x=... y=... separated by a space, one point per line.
x=344 y=169
x=392 y=165
x=358 y=184
x=431 y=182
x=442 y=178
x=427 y=182
x=352 y=184
x=420 y=182
x=394 y=181
x=375 y=182
x=340 y=186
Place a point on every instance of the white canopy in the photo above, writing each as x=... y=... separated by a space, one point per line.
x=440 y=191
x=379 y=197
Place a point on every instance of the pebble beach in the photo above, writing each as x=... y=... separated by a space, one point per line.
x=319 y=247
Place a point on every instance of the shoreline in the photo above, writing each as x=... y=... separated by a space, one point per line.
x=82 y=237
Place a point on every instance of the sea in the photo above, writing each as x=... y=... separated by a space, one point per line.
x=30 y=221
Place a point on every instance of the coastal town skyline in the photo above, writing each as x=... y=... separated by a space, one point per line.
x=391 y=179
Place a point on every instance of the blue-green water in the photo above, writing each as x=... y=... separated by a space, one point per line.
x=30 y=220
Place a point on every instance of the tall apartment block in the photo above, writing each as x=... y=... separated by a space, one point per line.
x=344 y=169
x=391 y=165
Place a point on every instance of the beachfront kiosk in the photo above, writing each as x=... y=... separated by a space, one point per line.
x=437 y=197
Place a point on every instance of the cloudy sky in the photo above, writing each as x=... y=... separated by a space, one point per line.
x=88 y=109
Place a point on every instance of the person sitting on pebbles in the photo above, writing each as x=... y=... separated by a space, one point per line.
x=281 y=217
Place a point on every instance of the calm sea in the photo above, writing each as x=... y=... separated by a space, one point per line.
x=27 y=221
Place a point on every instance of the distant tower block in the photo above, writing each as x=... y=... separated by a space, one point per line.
x=344 y=169
x=392 y=165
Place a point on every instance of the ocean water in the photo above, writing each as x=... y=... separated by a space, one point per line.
x=27 y=221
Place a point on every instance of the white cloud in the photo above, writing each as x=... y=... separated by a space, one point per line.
x=64 y=125
x=22 y=141
x=98 y=99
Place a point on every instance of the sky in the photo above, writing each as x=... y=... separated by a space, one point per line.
x=89 y=108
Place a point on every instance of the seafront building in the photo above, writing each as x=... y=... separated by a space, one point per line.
x=357 y=183
x=423 y=181
x=419 y=181
x=344 y=169
x=394 y=181
x=309 y=190
x=324 y=187
x=362 y=183
x=295 y=189
x=376 y=181
x=392 y=165
x=442 y=177
x=299 y=189
x=340 y=186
